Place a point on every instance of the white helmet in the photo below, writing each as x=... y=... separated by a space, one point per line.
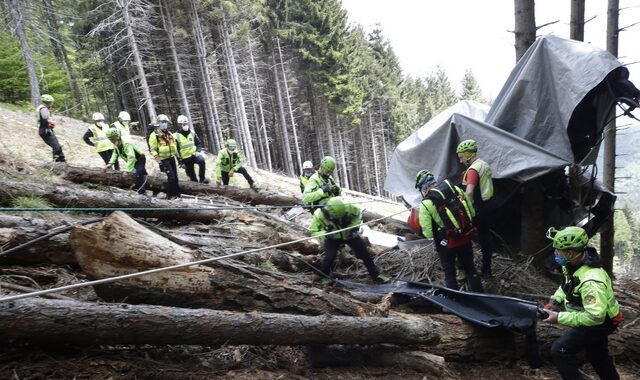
x=98 y=117
x=307 y=165
x=124 y=116
x=183 y=120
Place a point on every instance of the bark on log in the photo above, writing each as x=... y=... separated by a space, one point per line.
x=40 y=321
x=82 y=174
x=65 y=196
x=119 y=245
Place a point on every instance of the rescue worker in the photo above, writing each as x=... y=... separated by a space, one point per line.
x=163 y=149
x=124 y=124
x=230 y=161
x=336 y=215
x=585 y=301
x=190 y=150
x=478 y=183
x=433 y=227
x=96 y=136
x=134 y=159
x=307 y=172
x=46 y=125
x=321 y=185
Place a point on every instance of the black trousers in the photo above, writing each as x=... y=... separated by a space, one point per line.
x=594 y=342
x=359 y=249
x=484 y=220
x=243 y=171
x=189 y=167
x=168 y=166
x=106 y=157
x=141 y=174
x=464 y=254
x=49 y=138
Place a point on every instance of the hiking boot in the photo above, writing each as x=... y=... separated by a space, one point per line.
x=253 y=187
x=382 y=279
x=205 y=181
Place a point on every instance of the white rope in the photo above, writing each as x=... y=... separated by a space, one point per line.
x=178 y=266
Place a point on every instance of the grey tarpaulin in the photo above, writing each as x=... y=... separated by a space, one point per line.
x=524 y=134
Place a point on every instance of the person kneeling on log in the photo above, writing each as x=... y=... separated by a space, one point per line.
x=134 y=159
x=336 y=215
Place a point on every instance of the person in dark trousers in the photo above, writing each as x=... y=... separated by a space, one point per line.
x=190 y=150
x=478 y=183
x=230 y=161
x=334 y=216
x=163 y=149
x=433 y=227
x=96 y=136
x=134 y=159
x=46 y=125
x=321 y=186
x=586 y=302
x=307 y=172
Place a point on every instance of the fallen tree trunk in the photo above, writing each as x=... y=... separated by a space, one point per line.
x=145 y=207
x=119 y=245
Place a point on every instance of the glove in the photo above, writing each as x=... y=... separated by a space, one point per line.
x=335 y=190
x=325 y=188
x=231 y=172
x=352 y=233
x=218 y=181
x=51 y=123
x=552 y=305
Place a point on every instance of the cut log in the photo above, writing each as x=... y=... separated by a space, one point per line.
x=55 y=250
x=40 y=321
x=119 y=245
x=65 y=196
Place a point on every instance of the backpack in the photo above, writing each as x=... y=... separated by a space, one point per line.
x=454 y=210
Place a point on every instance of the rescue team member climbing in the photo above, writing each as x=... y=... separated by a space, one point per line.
x=163 y=148
x=336 y=215
x=321 y=186
x=134 y=159
x=190 y=150
x=478 y=183
x=96 y=136
x=589 y=303
x=230 y=161
x=307 y=172
x=446 y=216
x=45 y=127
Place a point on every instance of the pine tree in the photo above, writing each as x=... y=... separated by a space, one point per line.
x=470 y=88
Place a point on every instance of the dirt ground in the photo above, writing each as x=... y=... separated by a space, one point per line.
x=232 y=362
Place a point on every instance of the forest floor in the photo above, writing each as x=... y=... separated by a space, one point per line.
x=20 y=139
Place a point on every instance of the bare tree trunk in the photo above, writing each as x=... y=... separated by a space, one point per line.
x=286 y=146
x=26 y=51
x=374 y=153
x=133 y=44
x=236 y=91
x=262 y=127
x=367 y=175
x=525 y=26
x=576 y=25
x=607 y=230
x=288 y=98
x=165 y=11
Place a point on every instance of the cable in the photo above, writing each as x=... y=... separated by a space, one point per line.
x=178 y=266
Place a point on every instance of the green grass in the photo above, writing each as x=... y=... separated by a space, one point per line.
x=30 y=202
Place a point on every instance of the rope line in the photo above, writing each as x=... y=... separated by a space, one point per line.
x=178 y=266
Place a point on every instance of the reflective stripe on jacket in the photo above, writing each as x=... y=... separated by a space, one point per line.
x=313 y=194
x=227 y=161
x=123 y=128
x=100 y=139
x=429 y=212
x=162 y=145
x=322 y=223
x=485 y=185
x=186 y=144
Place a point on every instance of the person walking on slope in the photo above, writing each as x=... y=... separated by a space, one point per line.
x=96 y=136
x=585 y=301
x=321 y=185
x=190 y=150
x=336 y=215
x=46 y=125
x=307 y=172
x=230 y=161
x=123 y=124
x=478 y=183
x=163 y=149
x=134 y=159
x=446 y=216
